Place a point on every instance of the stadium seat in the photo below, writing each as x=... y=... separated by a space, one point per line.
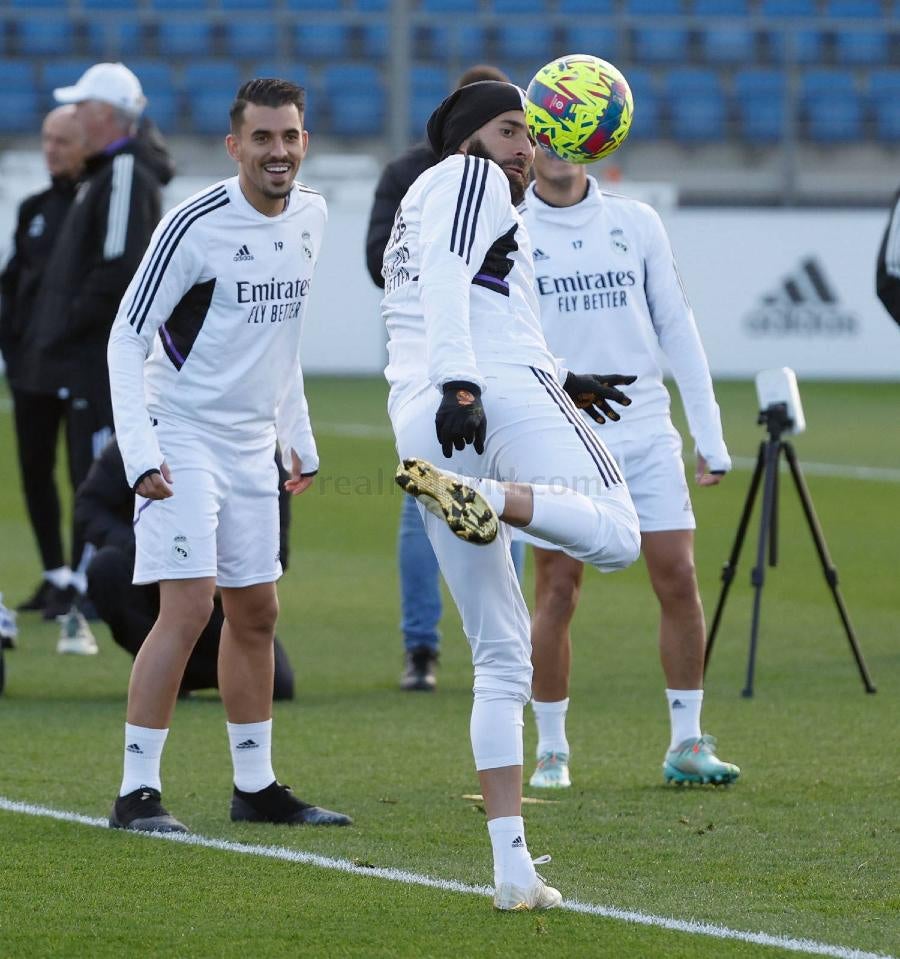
x=461 y=43
x=696 y=105
x=163 y=109
x=660 y=44
x=182 y=37
x=861 y=47
x=178 y=6
x=321 y=41
x=521 y=41
x=604 y=42
x=760 y=105
x=720 y=8
x=518 y=6
x=108 y=5
x=45 y=36
x=360 y=108
x=42 y=4
x=376 y=40
x=429 y=85
x=20 y=113
x=371 y=6
x=884 y=95
x=728 y=44
x=788 y=8
x=855 y=9
x=111 y=38
x=211 y=76
x=243 y=5
x=62 y=73
x=799 y=46
x=654 y=8
x=303 y=5
x=250 y=38
x=208 y=110
x=595 y=7
x=155 y=75
x=450 y=6
x=831 y=107
x=647 y=124
x=16 y=76
x=303 y=77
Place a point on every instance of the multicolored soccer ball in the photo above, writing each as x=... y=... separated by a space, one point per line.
x=579 y=108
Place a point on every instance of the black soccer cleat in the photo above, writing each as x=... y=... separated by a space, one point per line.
x=277 y=804
x=142 y=811
x=419 y=672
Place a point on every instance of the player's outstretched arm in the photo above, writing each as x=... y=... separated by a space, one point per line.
x=592 y=392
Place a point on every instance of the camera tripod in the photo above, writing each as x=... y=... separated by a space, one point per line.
x=776 y=420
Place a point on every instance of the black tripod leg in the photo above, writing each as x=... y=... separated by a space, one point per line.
x=757 y=577
x=728 y=570
x=828 y=568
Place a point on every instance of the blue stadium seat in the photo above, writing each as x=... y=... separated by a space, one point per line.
x=788 y=8
x=62 y=73
x=450 y=6
x=647 y=124
x=660 y=44
x=832 y=108
x=111 y=38
x=20 y=113
x=855 y=9
x=462 y=43
x=178 y=6
x=43 y=4
x=17 y=76
x=208 y=111
x=884 y=94
x=155 y=75
x=861 y=47
x=518 y=6
x=243 y=5
x=299 y=74
x=604 y=42
x=641 y=8
x=595 y=7
x=803 y=46
x=721 y=8
x=696 y=105
x=250 y=38
x=211 y=76
x=517 y=41
x=429 y=84
x=108 y=5
x=185 y=37
x=359 y=110
x=46 y=36
x=728 y=44
x=321 y=41
x=371 y=6
x=162 y=108
x=376 y=40
x=304 y=5
x=760 y=104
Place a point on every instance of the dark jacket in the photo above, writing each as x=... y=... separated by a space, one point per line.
x=104 y=505
x=396 y=178
x=887 y=281
x=100 y=244
x=39 y=221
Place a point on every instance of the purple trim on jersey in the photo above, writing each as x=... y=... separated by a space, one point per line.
x=492 y=282
x=170 y=348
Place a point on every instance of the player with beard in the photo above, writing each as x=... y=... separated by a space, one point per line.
x=463 y=320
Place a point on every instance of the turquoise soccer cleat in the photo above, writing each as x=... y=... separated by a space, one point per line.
x=552 y=771
x=695 y=761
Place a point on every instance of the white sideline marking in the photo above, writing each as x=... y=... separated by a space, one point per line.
x=808 y=946
x=884 y=474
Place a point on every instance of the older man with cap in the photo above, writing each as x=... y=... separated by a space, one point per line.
x=98 y=248
x=463 y=320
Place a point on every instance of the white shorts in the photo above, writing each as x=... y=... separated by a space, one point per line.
x=654 y=471
x=222 y=520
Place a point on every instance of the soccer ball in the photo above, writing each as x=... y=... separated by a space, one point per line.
x=579 y=108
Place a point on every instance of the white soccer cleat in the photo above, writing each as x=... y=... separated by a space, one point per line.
x=75 y=636
x=510 y=898
x=552 y=772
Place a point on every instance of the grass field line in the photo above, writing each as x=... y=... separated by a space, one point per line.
x=689 y=926
x=885 y=474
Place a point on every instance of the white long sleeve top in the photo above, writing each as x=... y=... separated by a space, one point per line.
x=208 y=333
x=610 y=298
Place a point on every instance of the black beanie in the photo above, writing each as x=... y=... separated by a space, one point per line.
x=469 y=108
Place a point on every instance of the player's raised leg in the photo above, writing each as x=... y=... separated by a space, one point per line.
x=691 y=756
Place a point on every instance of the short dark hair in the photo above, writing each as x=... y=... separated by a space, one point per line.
x=481 y=71
x=266 y=92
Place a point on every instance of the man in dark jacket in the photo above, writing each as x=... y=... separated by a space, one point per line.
x=420 y=595
x=887 y=275
x=98 y=247
x=104 y=506
x=38 y=410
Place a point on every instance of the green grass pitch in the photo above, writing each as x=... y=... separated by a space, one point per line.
x=804 y=846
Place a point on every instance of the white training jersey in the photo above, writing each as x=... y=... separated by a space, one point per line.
x=459 y=280
x=208 y=333
x=610 y=298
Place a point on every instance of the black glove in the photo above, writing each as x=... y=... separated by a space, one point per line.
x=591 y=392
x=460 y=418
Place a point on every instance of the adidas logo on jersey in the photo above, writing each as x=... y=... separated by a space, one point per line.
x=243 y=254
x=539 y=254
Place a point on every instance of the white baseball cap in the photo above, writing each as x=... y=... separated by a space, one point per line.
x=108 y=82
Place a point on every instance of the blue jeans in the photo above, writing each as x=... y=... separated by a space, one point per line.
x=420 y=586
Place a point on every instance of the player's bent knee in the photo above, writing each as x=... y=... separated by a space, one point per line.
x=495 y=684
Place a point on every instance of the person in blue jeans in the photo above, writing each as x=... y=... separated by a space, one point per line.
x=420 y=588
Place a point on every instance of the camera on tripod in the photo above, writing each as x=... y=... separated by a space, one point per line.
x=779 y=401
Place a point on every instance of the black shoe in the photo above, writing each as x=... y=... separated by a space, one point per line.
x=37 y=600
x=58 y=602
x=277 y=804
x=419 y=672
x=142 y=811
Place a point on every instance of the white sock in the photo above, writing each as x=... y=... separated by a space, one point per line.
x=684 y=714
x=564 y=517
x=551 y=726
x=512 y=863
x=251 y=755
x=143 y=751
x=60 y=577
